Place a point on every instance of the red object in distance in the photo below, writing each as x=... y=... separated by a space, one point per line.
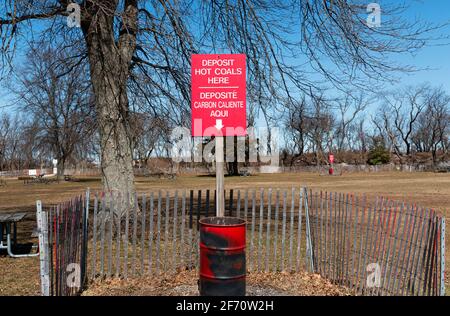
x=331 y=158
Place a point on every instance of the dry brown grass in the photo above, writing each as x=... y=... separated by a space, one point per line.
x=427 y=189
x=184 y=283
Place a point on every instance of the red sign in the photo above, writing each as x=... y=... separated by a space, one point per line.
x=331 y=158
x=218 y=95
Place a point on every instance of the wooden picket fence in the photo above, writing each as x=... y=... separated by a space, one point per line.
x=382 y=247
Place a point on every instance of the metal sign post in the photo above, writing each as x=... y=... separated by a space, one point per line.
x=220 y=207
x=218 y=105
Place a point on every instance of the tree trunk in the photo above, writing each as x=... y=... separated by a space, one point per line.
x=115 y=141
x=60 y=169
x=233 y=168
x=109 y=69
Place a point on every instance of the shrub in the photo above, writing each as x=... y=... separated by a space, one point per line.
x=378 y=154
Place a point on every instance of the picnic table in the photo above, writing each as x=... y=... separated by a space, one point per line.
x=35 y=179
x=8 y=226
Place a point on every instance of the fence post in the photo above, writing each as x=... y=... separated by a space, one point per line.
x=309 y=250
x=43 y=249
x=85 y=242
x=443 y=256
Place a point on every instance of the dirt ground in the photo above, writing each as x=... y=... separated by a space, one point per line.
x=185 y=284
x=21 y=276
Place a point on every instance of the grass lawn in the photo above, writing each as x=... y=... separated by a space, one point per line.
x=21 y=276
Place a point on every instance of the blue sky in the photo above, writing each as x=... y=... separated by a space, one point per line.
x=436 y=58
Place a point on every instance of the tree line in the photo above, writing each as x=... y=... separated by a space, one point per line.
x=136 y=56
x=413 y=120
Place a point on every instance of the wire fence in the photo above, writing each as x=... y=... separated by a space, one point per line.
x=379 y=247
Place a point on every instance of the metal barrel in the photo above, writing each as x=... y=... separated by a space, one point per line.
x=222 y=256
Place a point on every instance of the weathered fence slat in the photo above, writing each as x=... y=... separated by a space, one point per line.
x=395 y=256
x=238 y=204
x=150 y=234
x=133 y=261
x=183 y=225
x=399 y=219
x=291 y=230
x=426 y=280
x=110 y=236
x=175 y=228
x=391 y=239
x=283 y=231
x=126 y=239
x=329 y=249
x=424 y=215
x=353 y=280
x=143 y=225
x=401 y=252
x=166 y=231
x=158 y=234
x=411 y=249
x=252 y=236
x=246 y=204
x=190 y=240
x=385 y=235
x=348 y=245
x=309 y=247
x=422 y=276
x=94 y=237
x=299 y=231
x=199 y=205
x=261 y=219
x=335 y=205
x=364 y=249
x=231 y=203
x=416 y=252
x=269 y=215
x=374 y=244
x=322 y=235
x=118 y=236
x=102 y=238
x=207 y=203
x=406 y=251
x=275 y=230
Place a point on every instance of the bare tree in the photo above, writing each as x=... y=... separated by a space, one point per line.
x=348 y=110
x=398 y=116
x=433 y=128
x=144 y=47
x=150 y=135
x=58 y=100
x=19 y=143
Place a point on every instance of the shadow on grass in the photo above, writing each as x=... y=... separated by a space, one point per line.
x=85 y=180
x=226 y=176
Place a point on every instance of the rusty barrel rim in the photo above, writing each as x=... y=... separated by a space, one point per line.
x=206 y=221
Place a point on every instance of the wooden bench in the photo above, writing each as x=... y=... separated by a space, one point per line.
x=26 y=179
